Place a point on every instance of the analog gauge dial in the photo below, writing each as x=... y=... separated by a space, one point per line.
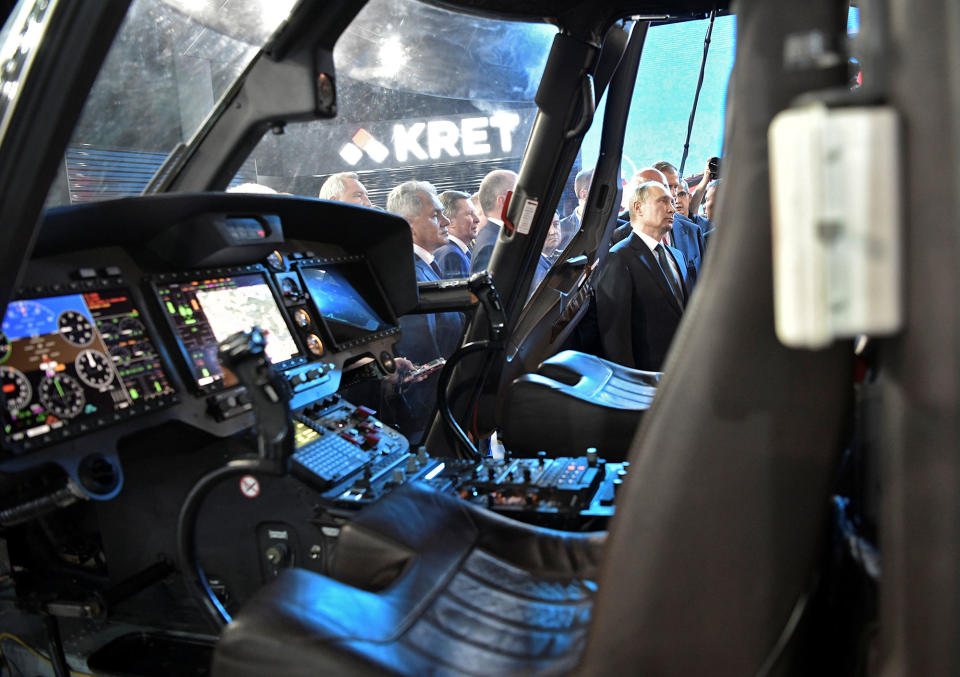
x=302 y=318
x=75 y=328
x=120 y=354
x=290 y=289
x=4 y=348
x=16 y=389
x=94 y=368
x=314 y=344
x=130 y=326
x=61 y=395
x=275 y=261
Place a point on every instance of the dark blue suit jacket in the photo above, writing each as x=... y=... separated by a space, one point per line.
x=452 y=261
x=483 y=247
x=688 y=238
x=637 y=314
x=543 y=267
x=425 y=338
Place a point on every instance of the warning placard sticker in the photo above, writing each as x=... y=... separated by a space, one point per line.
x=526 y=216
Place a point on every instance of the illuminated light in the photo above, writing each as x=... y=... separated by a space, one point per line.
x=351 y=154
x=436 y=471
x=273 y=12
x=39 y=430
x=392 y=57
x=134 y=395
x=171 y=308
x=9 y=388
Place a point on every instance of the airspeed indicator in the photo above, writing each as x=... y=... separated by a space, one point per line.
x=75 y=328
x=16 y=389
x=61 y=395
x=94 y=368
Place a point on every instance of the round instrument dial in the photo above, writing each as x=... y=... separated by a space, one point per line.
x=120 y=354
x=130 y=326
x=302 y=318
x=16 y=389
x=75 y=328
x=290 y=289
x=314 y=344
x=61 y=395
x=94 y=368
x=275 y=261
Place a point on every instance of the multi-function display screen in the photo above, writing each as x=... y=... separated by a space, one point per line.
x=75 y=362
x=348 y=299
x=205 y=312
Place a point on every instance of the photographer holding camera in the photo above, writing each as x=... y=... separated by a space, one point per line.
x=710 y=175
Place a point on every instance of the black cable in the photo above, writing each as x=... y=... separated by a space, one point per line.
x=57 y=659
x=190 y=566
x=444 y=407
x=696 y=95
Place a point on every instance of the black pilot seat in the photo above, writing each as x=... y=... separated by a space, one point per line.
x=575 y=401
x=425 y=584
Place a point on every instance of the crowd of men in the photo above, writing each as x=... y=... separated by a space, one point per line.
x=656 y=255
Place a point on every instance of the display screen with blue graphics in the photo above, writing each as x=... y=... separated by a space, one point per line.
x=71 y=363
x=343 y=293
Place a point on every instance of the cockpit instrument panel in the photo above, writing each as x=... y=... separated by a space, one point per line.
x=203 y=310
x=70 y=364
x=348 y=300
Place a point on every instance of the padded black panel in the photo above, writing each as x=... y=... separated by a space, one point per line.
x=576 y=401
x=720 y=527
x=489 y=596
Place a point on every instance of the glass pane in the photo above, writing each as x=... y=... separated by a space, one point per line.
x=170 y=63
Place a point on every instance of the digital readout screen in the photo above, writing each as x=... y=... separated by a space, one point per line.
x=75 y=360
x=205 y=312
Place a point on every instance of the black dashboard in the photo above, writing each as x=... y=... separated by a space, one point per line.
x=114 y=327
x=116 y=407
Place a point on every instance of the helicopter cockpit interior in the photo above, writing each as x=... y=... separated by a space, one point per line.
x=209 y=463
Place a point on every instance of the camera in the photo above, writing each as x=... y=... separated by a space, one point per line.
x=714 y=166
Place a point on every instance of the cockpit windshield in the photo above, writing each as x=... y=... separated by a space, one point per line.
x=416 y=85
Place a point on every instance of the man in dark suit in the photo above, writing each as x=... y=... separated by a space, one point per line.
x=686 y=235
x=641 y=291
x=423 y=337
x=570 y=224
x=545 y=262
x=454 y=257
x=493 y=195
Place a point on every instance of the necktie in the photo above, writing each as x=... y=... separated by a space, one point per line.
x=668 y=273
x=435 y=268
